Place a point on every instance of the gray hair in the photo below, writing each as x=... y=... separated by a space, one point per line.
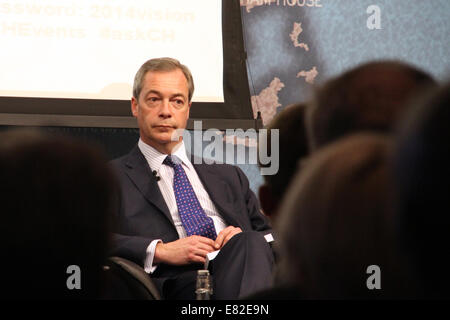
x=161 y=64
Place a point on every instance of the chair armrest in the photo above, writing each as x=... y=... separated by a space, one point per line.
x=138 y=273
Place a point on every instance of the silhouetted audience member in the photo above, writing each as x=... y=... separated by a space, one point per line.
x=370 y=97
x=422 y=171
x=293 y=146
x=337 y=220
x=55 y=196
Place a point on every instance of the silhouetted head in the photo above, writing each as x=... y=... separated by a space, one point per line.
x=292 y=147
x=56 y=203
x=422 y=171
x=337 y=220
x=370 y=97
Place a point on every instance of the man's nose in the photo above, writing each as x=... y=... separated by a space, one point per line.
x=165 y=111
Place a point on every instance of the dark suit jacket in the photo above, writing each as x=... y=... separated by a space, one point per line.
x=143 y=215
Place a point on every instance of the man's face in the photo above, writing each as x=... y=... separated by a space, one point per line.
x=161 y=108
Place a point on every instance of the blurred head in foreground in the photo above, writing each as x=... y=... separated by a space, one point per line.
x=422 y=171
x=372 y=97
x=293 y=146
x=337 y=221
x=55 y=199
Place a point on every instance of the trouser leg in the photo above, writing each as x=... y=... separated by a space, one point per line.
x=243 y=266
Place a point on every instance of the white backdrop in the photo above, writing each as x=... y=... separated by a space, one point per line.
x=93 y=48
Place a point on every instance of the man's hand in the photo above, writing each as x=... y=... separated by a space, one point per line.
x=188 y=250
x=225 y=235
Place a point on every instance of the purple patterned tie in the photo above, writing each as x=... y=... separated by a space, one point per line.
x=194 y=219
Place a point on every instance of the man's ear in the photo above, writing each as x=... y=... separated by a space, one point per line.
x=134 y=107
x=189 y=108
x=268 y=201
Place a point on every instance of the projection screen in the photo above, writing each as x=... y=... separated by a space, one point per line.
x=66 y=60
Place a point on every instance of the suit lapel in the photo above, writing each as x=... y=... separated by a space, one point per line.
x=217 y=190
x=138 y=170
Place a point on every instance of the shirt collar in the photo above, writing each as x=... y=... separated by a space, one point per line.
x=156 y=158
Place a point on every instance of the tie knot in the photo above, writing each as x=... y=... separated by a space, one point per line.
x=172 y=161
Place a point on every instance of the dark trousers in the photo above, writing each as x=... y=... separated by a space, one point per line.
x=242 y=267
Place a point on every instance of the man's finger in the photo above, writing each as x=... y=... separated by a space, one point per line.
x=206 y=247
x=198 y=259
x=206 y=241
x=219 y=240
x=231 y=234
x=222 y=235
x=201 y=241
x=226 y=235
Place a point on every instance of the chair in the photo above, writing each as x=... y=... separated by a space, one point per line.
x=125 y=280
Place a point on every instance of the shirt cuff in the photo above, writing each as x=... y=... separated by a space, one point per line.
x=148 y=263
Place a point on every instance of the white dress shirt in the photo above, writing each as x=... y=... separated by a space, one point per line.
x=155 y=161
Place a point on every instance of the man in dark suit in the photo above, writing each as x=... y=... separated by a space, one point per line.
x=155 y=229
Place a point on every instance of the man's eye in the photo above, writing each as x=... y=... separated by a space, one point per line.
x=178 y=102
